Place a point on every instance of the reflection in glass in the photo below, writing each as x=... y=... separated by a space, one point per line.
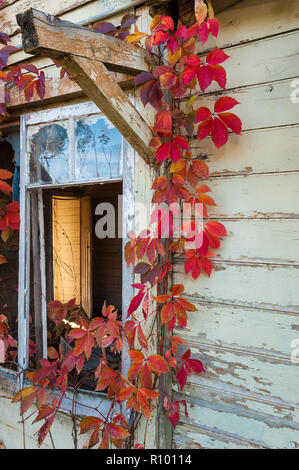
x=98 y=149
x=48 y=147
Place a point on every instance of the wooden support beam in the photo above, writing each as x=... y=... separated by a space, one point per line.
x=99 y=85
x=47 y=36
x=57 y=90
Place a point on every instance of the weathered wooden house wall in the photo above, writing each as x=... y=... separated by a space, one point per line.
x=60 y=93
x=248 y=311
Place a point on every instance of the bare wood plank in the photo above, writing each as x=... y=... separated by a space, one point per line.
x=47 y=36
x=191 y=437
x=266 y=241
x=258 y=151
x=209 y=325
x=8 y=14
x=261 y=106
x=252 y=285
x=98 y=84
x=250 y=375
x=262 y=61
x=249 y=20
x=241 y=418
x=256 y=196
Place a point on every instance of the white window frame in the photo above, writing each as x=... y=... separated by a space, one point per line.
x=88 y=400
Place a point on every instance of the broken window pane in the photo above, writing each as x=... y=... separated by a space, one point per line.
x=98 y=149
x=48 y=148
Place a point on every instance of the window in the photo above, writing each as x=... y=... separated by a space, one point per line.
x=72 y=161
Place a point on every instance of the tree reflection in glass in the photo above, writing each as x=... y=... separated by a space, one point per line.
x=98 y=149
x=49 y=153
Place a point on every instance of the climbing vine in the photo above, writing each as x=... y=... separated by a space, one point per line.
x=158 y=307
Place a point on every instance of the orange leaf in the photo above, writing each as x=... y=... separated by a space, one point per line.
x=116 y=432
x=88 y=423
x=167 y=313
x=5 y=174
x=3 y=260
x=177 y=289
x=162 y=298
x=148 y=393
x=158 y=364
x=136 y=356
x=26 y=397
x=126 y=393
x=187 y=305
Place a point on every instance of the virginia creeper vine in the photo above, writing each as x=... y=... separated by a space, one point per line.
x=179 y=176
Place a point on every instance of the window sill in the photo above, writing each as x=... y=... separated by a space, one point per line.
x=83 y=403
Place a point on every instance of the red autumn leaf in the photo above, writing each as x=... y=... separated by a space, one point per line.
x=232 y=121
x=219 y=75
x=163 y=126
x=213 y=26
x=205 y=77
x=175 y=152
x=163 y=152
x=181 y=142
x=44 y=412
x=203 y=32
x=205 y=128
x=224 y=104
x=182 y=377
x=216 y=228
x=206 y=265
x=219 y=133
x=200 y=169
x=135 y=302
x=216 y=56
x=174 y=414
x=202 y=114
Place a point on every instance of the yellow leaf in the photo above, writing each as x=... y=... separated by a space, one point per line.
x=210 y=9
x=173 y=58
x=5 y=235
x=190 y=102
x=200 y=10
x=135 y=37
x=178 y=166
